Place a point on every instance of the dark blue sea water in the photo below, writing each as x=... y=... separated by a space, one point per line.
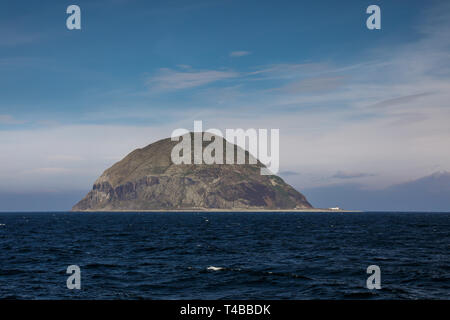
x=253 y=255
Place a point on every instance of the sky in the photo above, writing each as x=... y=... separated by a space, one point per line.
x=355 y=107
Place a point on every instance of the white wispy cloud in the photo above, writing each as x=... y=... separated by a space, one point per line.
x=65 y=157
x=10 y=38
x=48 y=170
x=10 y=120
x=169 y=79
x=351 y=175
x=12 y=34
x=315 y=84
x=239 y=53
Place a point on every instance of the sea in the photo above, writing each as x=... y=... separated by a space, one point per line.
x=220 y=255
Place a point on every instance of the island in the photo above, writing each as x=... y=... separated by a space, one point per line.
x=148 y=180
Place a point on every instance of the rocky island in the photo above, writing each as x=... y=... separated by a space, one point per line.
x=148 y=180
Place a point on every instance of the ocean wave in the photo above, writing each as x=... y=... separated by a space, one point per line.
x=258 y=272
x=212 y=268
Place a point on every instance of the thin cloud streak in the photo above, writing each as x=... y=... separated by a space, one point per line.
x=239 y=53
x=351 y=175
x=7 y=119
x=169 y=79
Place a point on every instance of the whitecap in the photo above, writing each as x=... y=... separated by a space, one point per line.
x=212 y=268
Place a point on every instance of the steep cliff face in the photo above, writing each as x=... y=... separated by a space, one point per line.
x=146 y=179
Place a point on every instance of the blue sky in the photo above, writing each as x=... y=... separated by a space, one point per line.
x=68 y=74
x=352 y=105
